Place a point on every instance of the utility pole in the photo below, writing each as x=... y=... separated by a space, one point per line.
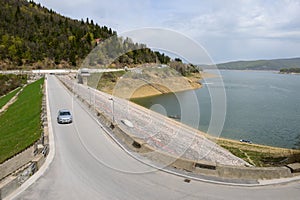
x=113 y=112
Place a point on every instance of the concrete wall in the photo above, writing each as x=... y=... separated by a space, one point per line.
x=16 y=162
x=253 y=172
x=10 y=185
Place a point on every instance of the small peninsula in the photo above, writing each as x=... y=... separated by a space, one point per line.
x=149 y=80
x=290 y=71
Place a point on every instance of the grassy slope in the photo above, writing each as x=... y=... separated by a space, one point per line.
x=20 y=125
x=260 y=155
x=6 y=98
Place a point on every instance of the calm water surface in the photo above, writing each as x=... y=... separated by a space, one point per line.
x=263 y=107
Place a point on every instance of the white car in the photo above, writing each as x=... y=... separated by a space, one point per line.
x=64 y=117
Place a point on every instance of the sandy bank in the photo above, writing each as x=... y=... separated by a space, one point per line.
x=140 y=88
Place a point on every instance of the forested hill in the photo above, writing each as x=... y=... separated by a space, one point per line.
x=275 y=64
x=32 y=36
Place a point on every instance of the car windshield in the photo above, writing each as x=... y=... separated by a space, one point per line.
x=65 y=113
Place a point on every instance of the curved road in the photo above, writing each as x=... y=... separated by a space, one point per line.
x=88 y=165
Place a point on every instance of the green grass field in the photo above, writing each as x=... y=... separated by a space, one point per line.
x=6 y=98
x=20 y=125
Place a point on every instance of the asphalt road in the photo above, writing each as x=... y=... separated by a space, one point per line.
x=88 y=165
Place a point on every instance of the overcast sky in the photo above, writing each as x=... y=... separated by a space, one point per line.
x=227 y=29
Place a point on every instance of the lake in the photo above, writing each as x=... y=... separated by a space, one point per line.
x=261 y=106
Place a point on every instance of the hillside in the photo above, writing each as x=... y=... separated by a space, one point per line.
x=275 y=64
x=32 y=36
x=9 y=82
x=148 y=80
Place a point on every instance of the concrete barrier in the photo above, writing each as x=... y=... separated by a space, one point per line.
x=253 y=172
x=295 y=167
x=39 y=160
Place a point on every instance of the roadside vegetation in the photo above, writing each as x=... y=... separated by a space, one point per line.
x=105 y=81
x=9 y=82
x=20 y=125
x=260 y=155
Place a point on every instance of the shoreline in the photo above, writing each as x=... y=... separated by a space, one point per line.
x=238 y=143
x=193 y=80
x=131 y=88
x=206 y=75
x=257 y=154
x=260 y=155
x=254 y=145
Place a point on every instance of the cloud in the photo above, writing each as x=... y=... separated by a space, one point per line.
x=239 y=26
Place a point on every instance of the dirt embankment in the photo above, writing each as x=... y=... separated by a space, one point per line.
x=149 y=81
x=138 y=88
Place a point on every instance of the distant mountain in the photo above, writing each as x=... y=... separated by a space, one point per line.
x=275 y=64
x=32 y=36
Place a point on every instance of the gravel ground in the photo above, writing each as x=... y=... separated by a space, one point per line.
x=160 y=132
